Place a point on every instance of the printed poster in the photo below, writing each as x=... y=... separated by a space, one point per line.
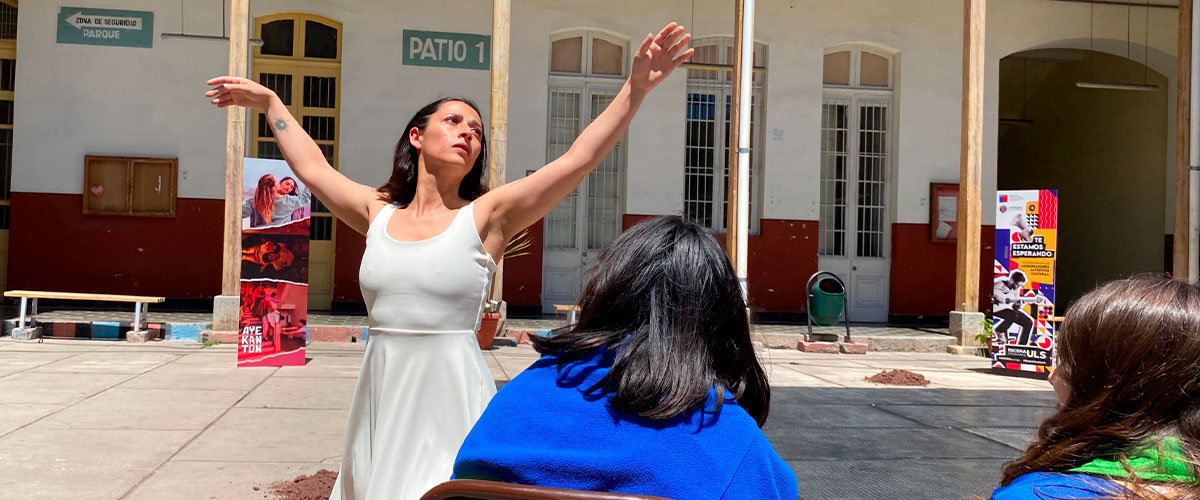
x=273 y=329
x=1023 y=299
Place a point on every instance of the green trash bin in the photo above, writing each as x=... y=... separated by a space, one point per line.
x=828 y=299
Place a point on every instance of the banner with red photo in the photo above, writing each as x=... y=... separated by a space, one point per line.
x=273 y=329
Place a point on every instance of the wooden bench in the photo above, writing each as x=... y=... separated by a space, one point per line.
x=139 y=301
x=571 y=310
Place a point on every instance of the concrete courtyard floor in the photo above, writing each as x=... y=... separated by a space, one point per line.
x=164 y=420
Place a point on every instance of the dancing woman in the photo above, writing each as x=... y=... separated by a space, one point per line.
x=431 y=232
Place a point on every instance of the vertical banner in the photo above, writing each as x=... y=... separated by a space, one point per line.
x=274 y=289
x=1023 y=281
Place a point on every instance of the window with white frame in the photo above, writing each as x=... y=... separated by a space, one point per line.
x=587 y=69
x=855 y=151
x=706 y=150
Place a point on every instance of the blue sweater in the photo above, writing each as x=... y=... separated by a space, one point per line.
x=543 y=429
x=1057 y=485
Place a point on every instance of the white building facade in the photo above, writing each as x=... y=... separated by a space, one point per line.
x=857 y=109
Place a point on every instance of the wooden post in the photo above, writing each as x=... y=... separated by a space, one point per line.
x=966 y=291
x=498 y=140
x=1183 y=91
x=735 y=118
x=235 y=151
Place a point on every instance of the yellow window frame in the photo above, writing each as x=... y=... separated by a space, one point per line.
x=298 y=36
x=298 y=66
x=8 y=50
x=297 y=107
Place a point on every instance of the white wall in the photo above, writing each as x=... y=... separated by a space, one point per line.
x=380 y=94
x=928 y=37
x=74 y=100
x=1019 y=25
x=654 y=177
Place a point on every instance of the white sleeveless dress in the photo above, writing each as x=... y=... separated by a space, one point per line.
x=423 y=381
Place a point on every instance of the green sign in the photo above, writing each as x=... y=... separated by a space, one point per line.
x=114 y=28
x=447 y=50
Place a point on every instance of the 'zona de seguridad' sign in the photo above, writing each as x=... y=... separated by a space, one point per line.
x=108 y=27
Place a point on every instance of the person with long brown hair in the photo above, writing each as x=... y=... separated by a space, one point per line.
x=431 y=236
x=1127 y=378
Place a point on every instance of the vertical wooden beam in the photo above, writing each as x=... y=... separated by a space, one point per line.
x=966 y=291
x=1183 y=99
x=235 y=152
x=498 y=139
x=735 y=119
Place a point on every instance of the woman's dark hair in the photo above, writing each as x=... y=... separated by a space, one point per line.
x=666 y=300
x=295 y=185
x=402 y=186
x=1130 y=350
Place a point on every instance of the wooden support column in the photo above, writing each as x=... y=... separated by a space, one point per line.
x=498 y=135
x=735 y=118
x=1183 y=100
x=225 y=310
x=966 y=291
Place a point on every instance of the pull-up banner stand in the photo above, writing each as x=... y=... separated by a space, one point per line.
x=273 y=329
x=1023 y=297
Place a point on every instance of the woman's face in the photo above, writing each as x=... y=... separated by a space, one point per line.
x=287 y=186
x=1062 y=388
x=453 y=136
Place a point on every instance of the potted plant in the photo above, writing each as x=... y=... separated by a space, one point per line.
x=489 y=324
x=986 y=338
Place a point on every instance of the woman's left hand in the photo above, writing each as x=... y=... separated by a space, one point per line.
x=658 y=56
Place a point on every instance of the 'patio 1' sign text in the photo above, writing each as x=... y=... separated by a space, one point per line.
x=447 y=50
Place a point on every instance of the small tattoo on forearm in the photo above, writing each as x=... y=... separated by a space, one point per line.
x=281 y=125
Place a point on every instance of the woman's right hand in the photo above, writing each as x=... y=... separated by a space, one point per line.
x=234 y=91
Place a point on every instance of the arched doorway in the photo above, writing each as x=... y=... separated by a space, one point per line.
x=1106 y=152
x=857 y=165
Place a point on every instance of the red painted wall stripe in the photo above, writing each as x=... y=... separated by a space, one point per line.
x=53 y=246
x=922 y=278
x=782 y=257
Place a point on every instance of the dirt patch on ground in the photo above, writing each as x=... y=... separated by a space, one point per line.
x=898 y=377
x=315 y=487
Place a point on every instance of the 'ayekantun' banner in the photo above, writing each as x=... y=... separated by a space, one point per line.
x=274 y=289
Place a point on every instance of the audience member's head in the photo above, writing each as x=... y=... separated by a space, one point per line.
x=665 y=298
x=1127 y=380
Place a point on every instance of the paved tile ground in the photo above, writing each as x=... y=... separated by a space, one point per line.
x=108 y=420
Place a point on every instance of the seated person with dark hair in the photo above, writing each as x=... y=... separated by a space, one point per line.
x=655 y=391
